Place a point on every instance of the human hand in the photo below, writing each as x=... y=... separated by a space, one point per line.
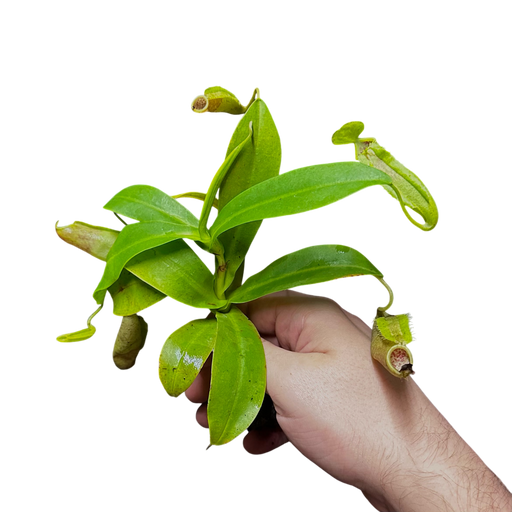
x=352 y=418
x=326 y=389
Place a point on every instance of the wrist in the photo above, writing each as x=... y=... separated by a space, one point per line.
x=434 y=469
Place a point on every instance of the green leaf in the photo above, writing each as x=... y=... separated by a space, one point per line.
x=308 y=266
x=184 y=354
x=131 y=295
x=145 y=203
x=297 y=191
x=172 y=270
x=258 y=161
x=238 y=377
x=176 y=270
x=137 y=238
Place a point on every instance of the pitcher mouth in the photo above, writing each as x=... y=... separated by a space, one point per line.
x=399 y=358
x=200 y=104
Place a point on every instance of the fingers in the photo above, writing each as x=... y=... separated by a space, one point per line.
x=263 y=312
x=280 y=317
x=291 y=319
x=199 y=389
x=260 y=443
x=201 y=415
x=256 y=442
x=299 y=333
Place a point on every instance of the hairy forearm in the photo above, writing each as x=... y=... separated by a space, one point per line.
x=461 y=487
x=437 y=471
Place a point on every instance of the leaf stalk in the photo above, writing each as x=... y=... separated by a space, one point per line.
x=215 y=185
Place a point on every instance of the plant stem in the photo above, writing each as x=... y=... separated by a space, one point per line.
x=219 y=278
x=390 y=291
x=214 y=245
x=197 y=195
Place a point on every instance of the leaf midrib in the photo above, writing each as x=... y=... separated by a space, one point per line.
x=153 y=207
x=263 y=203
x=299 y=272
x=139 y=240
x=149 y=237
x=238 y=380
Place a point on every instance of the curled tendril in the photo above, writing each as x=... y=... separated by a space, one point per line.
x=194 y=194
x=390 y=292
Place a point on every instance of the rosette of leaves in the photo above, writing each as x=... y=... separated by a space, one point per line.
x=150 y=258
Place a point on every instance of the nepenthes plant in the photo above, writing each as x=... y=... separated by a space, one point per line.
x=149 y=259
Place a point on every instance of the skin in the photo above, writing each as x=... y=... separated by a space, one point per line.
x=349 y=416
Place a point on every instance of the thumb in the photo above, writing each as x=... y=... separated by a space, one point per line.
x=276 y=359
x=283 y=367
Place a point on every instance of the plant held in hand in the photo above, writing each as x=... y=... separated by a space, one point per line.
x=149 y=259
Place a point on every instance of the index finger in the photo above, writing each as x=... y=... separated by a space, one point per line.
x=292 y=320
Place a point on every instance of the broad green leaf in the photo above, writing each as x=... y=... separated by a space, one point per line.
x=137 y=238
x=308 y=266
x=238 y=377
x=258 y=161
x=145 y=203
x=176 y=270
x=172 y=269
x=409 y=190
x=131 y=295
x=297 y=191
x=184 y=354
